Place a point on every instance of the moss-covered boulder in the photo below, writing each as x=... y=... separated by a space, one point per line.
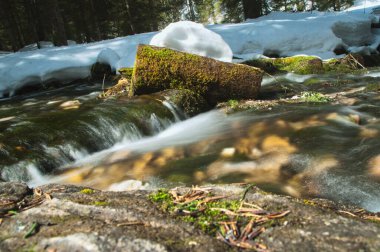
x=158 y=69
x=299 y=64
x=186 y=100
x=351 y=63
x=296 y=64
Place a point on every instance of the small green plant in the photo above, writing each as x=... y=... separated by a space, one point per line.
x=87 y=191
x=164 y=199
x=126 y=72
x=160 y=196
x=205 y=216
x=233 y=103
x=314 y=97
x=100 y=203
x=233 y=221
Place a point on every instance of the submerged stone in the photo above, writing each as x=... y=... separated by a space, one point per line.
x=157 y=69
x=100 y=71
x=191 y=103
x=313 y=65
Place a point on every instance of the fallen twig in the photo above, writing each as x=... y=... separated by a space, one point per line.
x=251 y=205
x=245 y=192
x=278 y=215
x=357 y=62
x=348 y=213
x=369 y=217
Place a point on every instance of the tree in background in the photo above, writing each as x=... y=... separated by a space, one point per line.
x=239 y=10
x=335 y=5
x=253 y=8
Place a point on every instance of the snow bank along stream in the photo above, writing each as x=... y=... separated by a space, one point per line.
x=283 y=34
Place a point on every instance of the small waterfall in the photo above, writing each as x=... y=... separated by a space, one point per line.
x=177 y=113
x=44 y=137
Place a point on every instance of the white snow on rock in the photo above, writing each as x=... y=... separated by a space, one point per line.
x=193 y=38
x=284 y=34
x=364 y=6
x=108 y=56
x=64 y=64
x=289 y=34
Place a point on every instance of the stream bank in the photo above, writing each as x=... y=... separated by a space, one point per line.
x=67 y=218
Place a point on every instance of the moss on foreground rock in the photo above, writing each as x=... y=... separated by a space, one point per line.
x=157 y=69
x=67 y=218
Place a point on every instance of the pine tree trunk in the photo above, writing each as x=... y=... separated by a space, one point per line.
x=252 y=8
x=59 y=24
x=127 y=8
x=94 y=22
x=12 y=26
x=190 y=4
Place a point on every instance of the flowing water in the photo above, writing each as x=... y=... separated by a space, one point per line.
x=303 y=149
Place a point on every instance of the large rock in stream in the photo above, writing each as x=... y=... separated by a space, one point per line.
x=157 y=69
x=70 y=218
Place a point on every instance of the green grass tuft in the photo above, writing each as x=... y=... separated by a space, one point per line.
x=314 y=97
x=87 y=191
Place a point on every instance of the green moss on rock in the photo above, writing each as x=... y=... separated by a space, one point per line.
x=87 y=191
x=299 y=64
x=191 y=103
x=204 y=215
x=157 y=69
x=351 y=63
x=314 y=97
x=296 y=64
x=126 y=72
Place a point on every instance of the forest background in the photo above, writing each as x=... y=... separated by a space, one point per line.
x=24 y=22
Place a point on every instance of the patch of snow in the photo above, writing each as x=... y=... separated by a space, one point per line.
x=364 y=6
x=108 y=56
x=289 y=34
x=194 y=38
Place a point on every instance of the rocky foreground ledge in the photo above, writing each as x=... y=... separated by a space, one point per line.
x=70 y=218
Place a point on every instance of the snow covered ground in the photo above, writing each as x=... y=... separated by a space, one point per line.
x=284 y=34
